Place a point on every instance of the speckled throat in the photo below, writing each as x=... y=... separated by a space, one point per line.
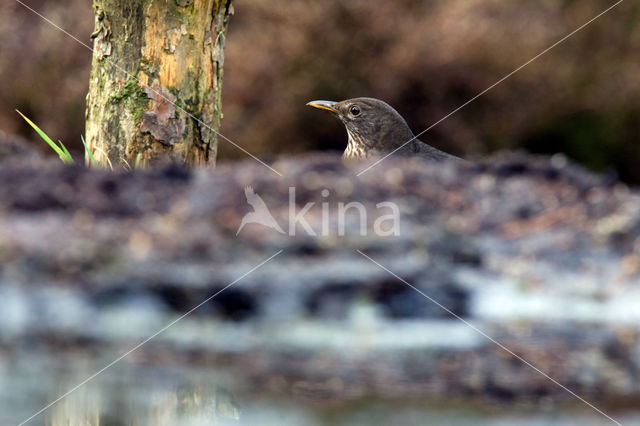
x=357 y=148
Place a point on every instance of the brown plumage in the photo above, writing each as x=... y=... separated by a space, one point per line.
x=376 y=129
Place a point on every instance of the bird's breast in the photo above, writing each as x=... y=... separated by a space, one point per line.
x=357 y=148
x=354 y=152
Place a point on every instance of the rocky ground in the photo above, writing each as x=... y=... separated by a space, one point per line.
x=533 y=253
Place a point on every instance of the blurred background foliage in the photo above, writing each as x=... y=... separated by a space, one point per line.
x=425 y=57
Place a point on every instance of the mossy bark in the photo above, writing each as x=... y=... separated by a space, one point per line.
x=156 y=80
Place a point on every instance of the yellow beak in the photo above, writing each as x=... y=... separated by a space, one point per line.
x=325 y=105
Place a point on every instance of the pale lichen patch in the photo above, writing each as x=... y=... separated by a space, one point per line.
x=173 y=37
x=102 y=36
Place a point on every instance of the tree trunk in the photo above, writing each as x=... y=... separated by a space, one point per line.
x=156 y=80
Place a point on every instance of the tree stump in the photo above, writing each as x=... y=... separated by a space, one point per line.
x=156 y=80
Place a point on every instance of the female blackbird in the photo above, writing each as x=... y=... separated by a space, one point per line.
x=376 y=129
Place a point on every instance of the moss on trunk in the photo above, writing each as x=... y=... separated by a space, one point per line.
x=156 y=80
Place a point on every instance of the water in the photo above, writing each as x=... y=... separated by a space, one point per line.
x=137 y=394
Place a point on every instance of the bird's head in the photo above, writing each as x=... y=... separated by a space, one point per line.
x=370 y=122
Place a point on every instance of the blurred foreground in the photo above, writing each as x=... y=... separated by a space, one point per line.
x=537 y=253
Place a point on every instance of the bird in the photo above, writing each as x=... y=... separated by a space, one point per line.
x=376 y=129
x=260 y=214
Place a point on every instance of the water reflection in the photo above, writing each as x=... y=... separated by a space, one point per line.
x=136 y=404
x=126 y=394
x=187 y=404
x=135 y=395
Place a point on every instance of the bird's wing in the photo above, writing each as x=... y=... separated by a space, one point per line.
x=431 y=153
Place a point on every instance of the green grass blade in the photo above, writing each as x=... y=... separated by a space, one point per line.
x=67 y=158
x=44 y=136
x=90 y=156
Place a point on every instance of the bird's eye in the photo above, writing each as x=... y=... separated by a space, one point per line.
x=355 y=110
